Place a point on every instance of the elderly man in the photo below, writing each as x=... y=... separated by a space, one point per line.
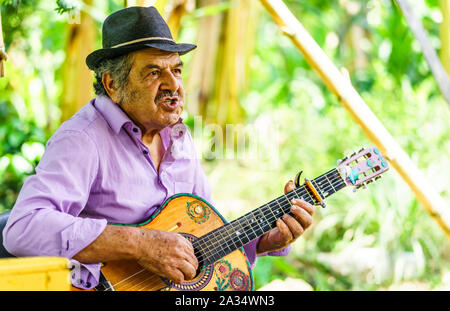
x=114 y=161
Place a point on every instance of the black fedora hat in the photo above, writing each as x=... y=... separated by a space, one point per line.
x=132 y=29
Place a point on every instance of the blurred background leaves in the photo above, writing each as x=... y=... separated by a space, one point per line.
x=246 y=72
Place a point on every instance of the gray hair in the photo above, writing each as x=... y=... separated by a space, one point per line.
x=119 y=68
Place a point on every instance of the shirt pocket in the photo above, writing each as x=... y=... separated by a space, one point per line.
x=183 y=187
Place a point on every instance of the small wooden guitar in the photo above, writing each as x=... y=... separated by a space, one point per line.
x=218 y=244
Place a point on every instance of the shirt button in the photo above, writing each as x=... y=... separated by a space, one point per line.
x=135 y=130
x=145 y=151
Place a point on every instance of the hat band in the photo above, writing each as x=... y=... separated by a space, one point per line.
x=142 y=39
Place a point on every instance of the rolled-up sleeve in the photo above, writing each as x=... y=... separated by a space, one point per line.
x=45 y=219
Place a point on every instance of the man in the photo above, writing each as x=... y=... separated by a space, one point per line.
x=119 y=158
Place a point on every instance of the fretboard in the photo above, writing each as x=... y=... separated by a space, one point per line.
x=226 y=239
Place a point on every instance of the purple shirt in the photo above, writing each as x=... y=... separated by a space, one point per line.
x=96 y=170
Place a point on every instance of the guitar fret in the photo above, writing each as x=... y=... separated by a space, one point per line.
x=332 y=186
x=275 y=217
x=285 y=196
x=240 y=234
x=230 y=232
x=246 y=228
x=311 y=200
x=222 y=245
x=210 y=249
x=257 y=222
x=263 y=220
x=317 y=188
x=266 y=210
x=251 y=227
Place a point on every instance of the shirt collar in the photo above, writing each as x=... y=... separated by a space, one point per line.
x=112 y=113
x=116 y=117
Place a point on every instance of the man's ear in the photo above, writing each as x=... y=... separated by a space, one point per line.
x=108 y=84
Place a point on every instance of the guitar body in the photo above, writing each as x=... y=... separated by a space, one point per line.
x=193 y=217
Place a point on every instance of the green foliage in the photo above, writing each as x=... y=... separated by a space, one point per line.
x=64 y=6
x=364 y=241
x=21 y=149
x=379 y=236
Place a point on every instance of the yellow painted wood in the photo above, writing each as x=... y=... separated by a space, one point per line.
x=350 y=99
x=34 y=274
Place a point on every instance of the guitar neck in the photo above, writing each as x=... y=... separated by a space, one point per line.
x=226 y=239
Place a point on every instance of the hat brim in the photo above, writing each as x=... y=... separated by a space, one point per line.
x=93 y=59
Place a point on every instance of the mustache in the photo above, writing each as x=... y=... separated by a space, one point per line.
x=167 y=93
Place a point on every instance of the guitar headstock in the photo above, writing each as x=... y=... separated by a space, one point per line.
x=362 y=167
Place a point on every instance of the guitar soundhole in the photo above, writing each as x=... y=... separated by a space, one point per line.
x=204 y=273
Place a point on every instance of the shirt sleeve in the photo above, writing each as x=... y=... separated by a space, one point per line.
x=45 y=220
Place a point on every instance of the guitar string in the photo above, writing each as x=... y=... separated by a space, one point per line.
x=133 y=279
x=143 y=281
x=233 y=241
x=267 y=208
x=131 y=276
x=276 y=202
x=263 y=212
x=325 y=175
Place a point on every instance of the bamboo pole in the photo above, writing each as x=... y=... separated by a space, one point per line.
x=437 y=69
x=341 y=86
x=3 y=55
x=445 y=34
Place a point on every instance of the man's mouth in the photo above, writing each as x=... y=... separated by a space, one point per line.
x=169 y=102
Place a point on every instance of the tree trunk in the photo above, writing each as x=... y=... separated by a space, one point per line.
x=175 y=12
x=199 y=83
x=77 y=78
x=220 y=64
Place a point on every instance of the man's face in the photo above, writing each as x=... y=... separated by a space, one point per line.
x=154 y=96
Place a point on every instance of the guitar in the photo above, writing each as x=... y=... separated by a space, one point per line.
x=218 y=245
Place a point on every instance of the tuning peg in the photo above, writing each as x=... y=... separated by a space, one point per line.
x=361 y=185
x=362 y=149
x=378 y=177
x=342 y=160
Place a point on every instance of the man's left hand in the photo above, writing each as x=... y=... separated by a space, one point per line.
x=288 y=228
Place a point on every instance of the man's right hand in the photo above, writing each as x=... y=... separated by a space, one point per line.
x=167 y=254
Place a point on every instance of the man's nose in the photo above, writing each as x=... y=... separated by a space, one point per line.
x=170 y=82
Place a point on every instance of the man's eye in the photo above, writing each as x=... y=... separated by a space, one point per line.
x=154 y=73
x=177 y=71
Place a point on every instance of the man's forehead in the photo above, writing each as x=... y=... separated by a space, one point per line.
x=155 y=55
